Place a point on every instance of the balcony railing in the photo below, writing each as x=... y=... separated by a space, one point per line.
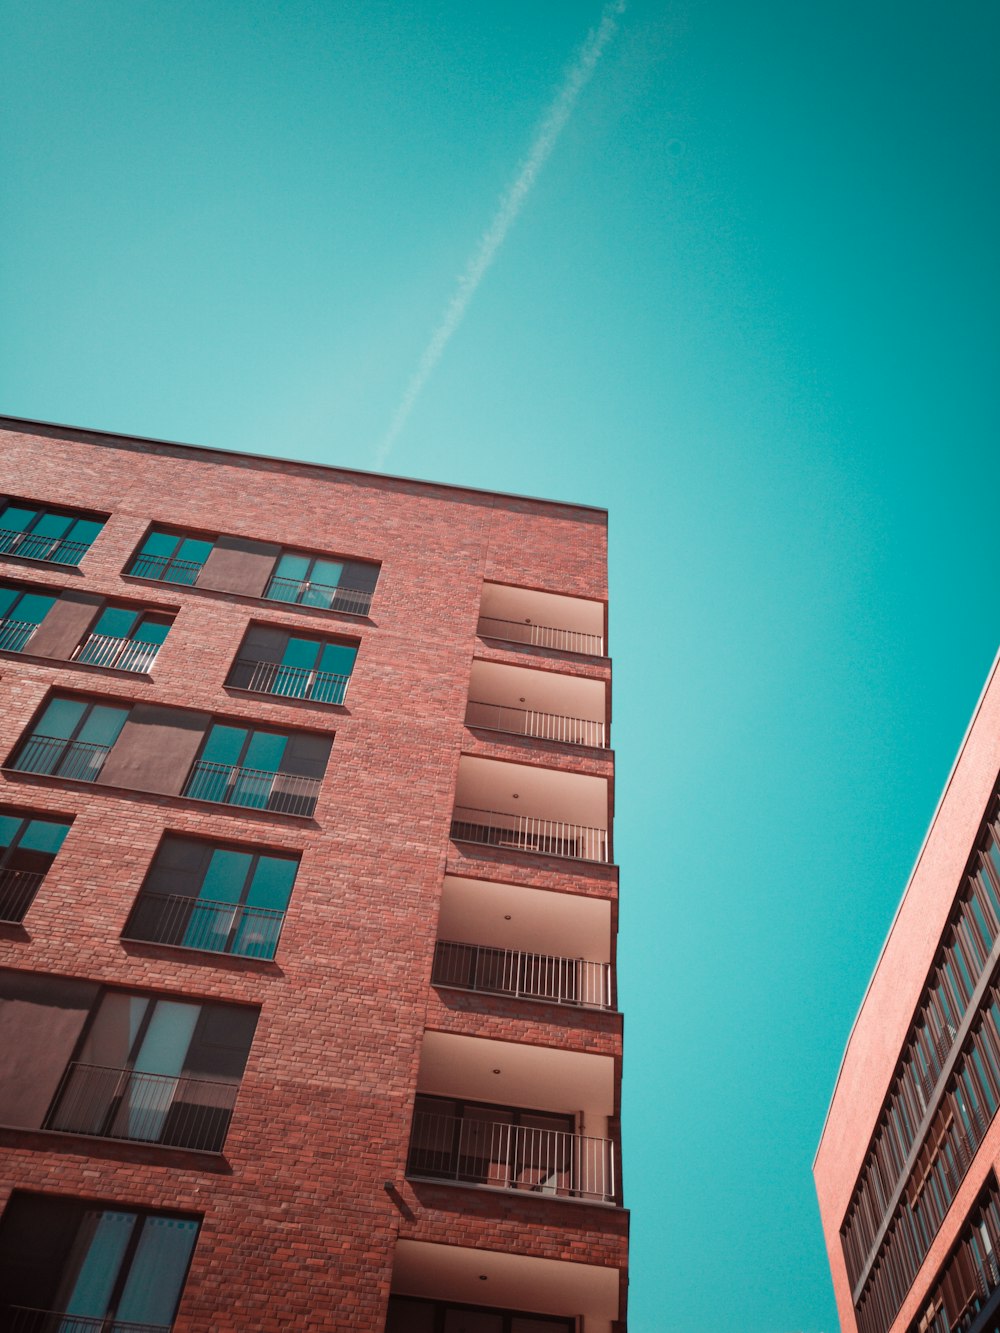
x=530 y=976
x=525 y=833
x=79 y=760
x=322 y=687
x=176 y=1110
x=22 y=1319
x=165 y=570
x=33 y=546
x=198 y=923
x=541 y=636
x=527 y=722
x=17 y=889
x=353 y=601
x=255 y=788
x=104 y=650
x=515 y=1157
x=14 y=634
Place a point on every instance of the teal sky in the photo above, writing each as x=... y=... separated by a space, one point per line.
x=749 y=305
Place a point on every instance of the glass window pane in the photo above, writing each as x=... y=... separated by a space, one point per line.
x=194 y=550
x=265 y=751
x=167 y=1038
x=153 y=1287
x=8 y=596
x=103 y=725
x=16 y=518
x=327 y=572
x=300 y=653
x=151 y=631
x=160 y=544
x=114 y=1030
x=34 y=607
x=472 y=1321
x=339 y=658
x=84 y=530
x=9 y=824
x=406 y=1316
x=52 y=525
x=60 y=717
x=272 y=883
x=226 y=876
x=43 y=835
x=292 y=567
x=224 y=744
x=116 y=622
x=100 y=1247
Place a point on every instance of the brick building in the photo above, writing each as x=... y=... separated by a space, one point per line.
x=307 y=900
x=909 y=1161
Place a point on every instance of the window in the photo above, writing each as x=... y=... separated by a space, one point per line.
x=28 y=846
x=72 y=1266
x=71 y=739
x=79 y=1059
x=21 y=613
x=124 y=638
x=315 y=580
x=159 y=1071
x=170 y=557
x=410 y=1314
x=265 y=770
x=219 y=899
x=295 y=666
x=53 y=535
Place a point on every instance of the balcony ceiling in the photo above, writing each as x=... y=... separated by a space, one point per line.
x=475 y=911
x=542 y=793
x=533 y=1077
x=542 y=608
x=513 y=1281
x=541 y=691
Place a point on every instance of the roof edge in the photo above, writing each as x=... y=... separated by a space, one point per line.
x=909 y=880
x=294 y=462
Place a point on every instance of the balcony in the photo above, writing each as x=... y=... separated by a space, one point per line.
x=33 y=546
x=479 y=1151
x=526 y=808
x=211 y=927
x=544 y=705
x=253 y=788
x=14 y=634
x=508 y=1283
x=17 y=891
x=523 y=976
x=288 y=682
x=541 y=620
x=178 y=1111
x=352 y=601
x=103 y=650
x=21 y=1319
x=80 y=760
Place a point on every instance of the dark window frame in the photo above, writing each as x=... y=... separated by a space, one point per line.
x=364 y=595
x=259 y=679
x=45 y=510
x=182 y=535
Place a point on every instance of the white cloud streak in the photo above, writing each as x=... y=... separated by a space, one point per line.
x=546 y=137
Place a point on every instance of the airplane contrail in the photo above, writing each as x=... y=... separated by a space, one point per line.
x=553 y=124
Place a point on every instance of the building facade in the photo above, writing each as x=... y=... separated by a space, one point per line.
x=909 y=1161
x=308 y=900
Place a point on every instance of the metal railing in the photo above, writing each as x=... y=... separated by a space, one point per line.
x=517 y=1157
x=255 y=788
x=525 y=833
x=104 y=650
x=199 y=923
x=323 y=687
x=17 y=889
x=22 y=1319
x=527 y=722
x=354 y=601
x=165 y=570
x=33 y=546
x=176 y=1110
x=14 y=634
x=532 y=976
x=541 y=636
x=79 y=760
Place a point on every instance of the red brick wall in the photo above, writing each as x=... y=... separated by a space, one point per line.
x=298 y=1229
